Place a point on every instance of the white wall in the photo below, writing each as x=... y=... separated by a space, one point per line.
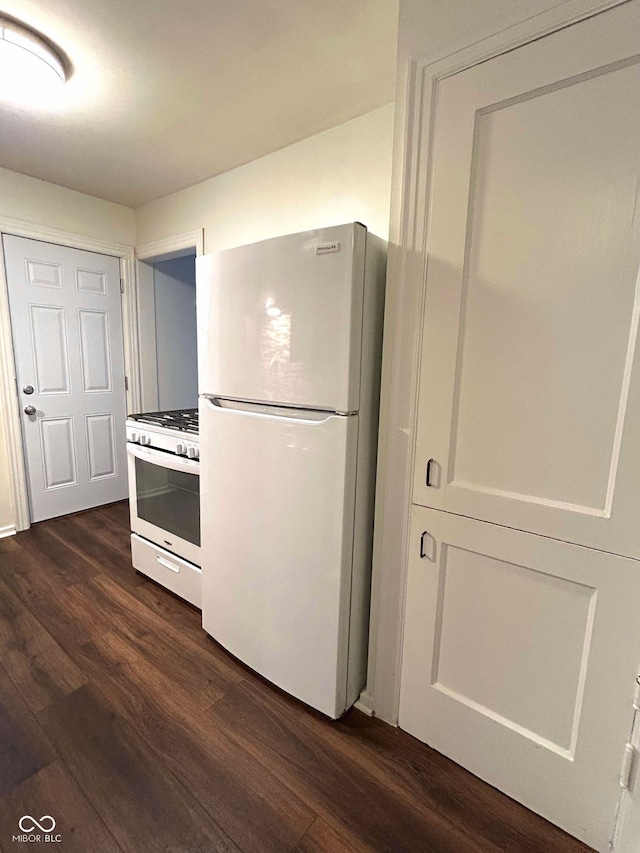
x=175 y=333
x=341 y=175
x=428 y=27
x=47 y=205
x=41 y=203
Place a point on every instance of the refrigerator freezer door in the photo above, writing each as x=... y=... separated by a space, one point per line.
x=281 y=320
x=277 y=498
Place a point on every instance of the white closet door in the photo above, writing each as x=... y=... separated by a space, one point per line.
x=67 y=332
x=519 y=663
x=530 y=385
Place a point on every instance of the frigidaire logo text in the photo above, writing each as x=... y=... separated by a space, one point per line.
x=37 y=830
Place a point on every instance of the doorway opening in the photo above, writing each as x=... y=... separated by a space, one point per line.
x=167 y=331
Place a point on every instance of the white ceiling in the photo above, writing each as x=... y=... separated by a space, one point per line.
x=166 y=93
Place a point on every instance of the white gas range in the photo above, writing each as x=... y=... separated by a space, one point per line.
x=163 y=453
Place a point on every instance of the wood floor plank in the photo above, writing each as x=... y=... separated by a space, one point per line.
x=166 y=667
x=102 y=527
x=116 y=561
x=37 y=584
x=169 y=607
x=102 y=605
x=251 y=804
x=322 y=838
x=326 y=779
x=53 y=791
x=24 y=747
x=36 y=664
x=7 y=543
x=143 y=806
x=66 y=565
x=118 y=512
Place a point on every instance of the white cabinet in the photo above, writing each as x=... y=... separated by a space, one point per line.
x=519 y=663
x=529 y=398
x=522 y=636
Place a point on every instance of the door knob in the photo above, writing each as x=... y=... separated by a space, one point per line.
x=28 y=389
x=29 y=410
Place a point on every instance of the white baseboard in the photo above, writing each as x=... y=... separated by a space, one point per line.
x=7 y=530
x=365 y=703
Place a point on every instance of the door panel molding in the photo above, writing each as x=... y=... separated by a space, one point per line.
x=103 y=375
x=9 y=404
x=53 y=316
x=107 y=464
x=419 y=77
x=60 y=469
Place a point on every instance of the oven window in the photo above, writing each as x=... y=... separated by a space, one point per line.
x=169 y=500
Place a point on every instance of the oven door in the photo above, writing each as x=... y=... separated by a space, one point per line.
x=164 y=499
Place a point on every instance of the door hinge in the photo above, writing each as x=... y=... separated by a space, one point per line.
x=628 y=761
x=121 y=285
x=126 y=383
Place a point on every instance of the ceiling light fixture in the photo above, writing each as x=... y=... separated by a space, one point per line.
x=30 y=65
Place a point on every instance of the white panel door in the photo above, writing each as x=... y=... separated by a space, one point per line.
x=281 y=320
x=67 y=333
x=277 y=494
x=519 y=663
x=530 y=385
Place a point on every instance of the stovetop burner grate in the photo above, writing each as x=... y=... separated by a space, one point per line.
x=184 y=420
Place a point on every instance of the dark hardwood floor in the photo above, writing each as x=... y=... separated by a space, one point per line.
x=122 y=720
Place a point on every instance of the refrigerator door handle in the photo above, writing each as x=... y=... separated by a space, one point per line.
x=275 y=412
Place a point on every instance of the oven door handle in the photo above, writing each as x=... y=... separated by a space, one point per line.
x=164 y=460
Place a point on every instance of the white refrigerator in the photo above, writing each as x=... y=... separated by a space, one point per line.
x=289 y=351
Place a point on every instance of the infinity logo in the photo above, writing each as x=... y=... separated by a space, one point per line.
x=28 y=823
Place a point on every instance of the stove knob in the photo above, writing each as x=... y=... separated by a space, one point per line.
x=181 y=449
x=192 y=452
x=134 y=437
x=145 y=439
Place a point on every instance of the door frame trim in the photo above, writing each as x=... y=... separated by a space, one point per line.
x=9 y=403
x=419 y=76
x=169 y=246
